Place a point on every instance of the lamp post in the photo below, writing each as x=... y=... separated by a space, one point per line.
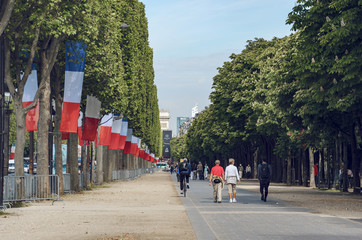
x=7 y=100
x=2 y=77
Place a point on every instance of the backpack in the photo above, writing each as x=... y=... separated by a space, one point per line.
x=183 y=167
x=264 y=172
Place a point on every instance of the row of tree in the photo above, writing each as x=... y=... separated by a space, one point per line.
x=118 y=69
x=295 y=101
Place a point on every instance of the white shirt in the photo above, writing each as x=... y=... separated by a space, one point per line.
x=231 y=171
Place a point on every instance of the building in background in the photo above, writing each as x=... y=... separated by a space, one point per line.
x=195 y=110
x=165 y=119
x=180 y=121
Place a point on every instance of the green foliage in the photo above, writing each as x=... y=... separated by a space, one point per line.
x=119 y=62
x=300 y=91
x=178 y=148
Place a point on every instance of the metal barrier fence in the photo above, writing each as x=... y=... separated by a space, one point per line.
x=31 y=188
x=46 y=187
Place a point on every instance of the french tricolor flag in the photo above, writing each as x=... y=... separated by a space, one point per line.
x=105 y=130
x=31 y=86
x=137 y=153
x=91 y=119
x=116 y=129
x=134 y=145
x=80 y=132
x=123 y=134
x=128 y=145
x=74 y=74
x=12 y=151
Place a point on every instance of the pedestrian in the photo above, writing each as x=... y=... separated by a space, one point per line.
x=248 y=171
x=350 y=178
x=217 y=177
x=316 y=174
x=241 y=170
x=184 y=171
x=231 y=178
x=200 y=171
x=172 y=168
x=264 y=176
x=206 y=171
x=342 y=174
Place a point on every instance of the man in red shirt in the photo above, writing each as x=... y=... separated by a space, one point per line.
x=217 y=179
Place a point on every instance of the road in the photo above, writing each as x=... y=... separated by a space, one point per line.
x=250 y=218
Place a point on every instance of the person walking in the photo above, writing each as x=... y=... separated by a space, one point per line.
x=206 y=171
x=264 y=176
x=217 y=178
x=241 y=170
x=248 y=171
x=231 y=178
x=200 y=171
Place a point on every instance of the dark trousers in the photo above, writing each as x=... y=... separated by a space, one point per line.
x=264 y=185
x=183 y=177
x=201 y=175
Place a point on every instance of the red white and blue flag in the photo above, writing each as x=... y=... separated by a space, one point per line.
x=30 y=88
x=123 y=134
x=116 y=129
x=74 y=74
x=128 y=145
x=105 y=130
x=91 y=119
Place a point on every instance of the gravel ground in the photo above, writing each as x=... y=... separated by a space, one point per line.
x=145 y=208
x=331 y=202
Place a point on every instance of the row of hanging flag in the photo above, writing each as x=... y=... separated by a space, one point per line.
x=113 y=130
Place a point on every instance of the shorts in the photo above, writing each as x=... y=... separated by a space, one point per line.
x=231 y=188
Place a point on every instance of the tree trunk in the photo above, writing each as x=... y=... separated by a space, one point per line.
x=311 y=169
x=255 y=167
x=20 y=139
x=48 y=54
x=105 y=164
x=289 y=170
x=345 y=166
x=44 y=120
x=57 y=134
x=92 y=153
x=73 y=162
x=84 y=157
x=355 y=163
x=7 y=7
x=100 y=150
x=305 y=168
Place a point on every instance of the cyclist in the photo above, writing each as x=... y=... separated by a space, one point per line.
x=184 y=171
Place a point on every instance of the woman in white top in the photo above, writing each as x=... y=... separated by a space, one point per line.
x=231 y=178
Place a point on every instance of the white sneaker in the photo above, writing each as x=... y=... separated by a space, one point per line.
x=234 y=200
x=231 y=200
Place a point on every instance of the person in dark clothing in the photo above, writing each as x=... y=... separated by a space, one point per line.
x=264 y=176
x=184 y=171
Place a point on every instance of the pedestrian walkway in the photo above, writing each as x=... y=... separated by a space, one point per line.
x=250 y=218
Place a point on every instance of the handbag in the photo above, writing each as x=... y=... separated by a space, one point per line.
x=216 y=180
x=231 y=180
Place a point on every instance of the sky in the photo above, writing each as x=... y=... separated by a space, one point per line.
x=191 y=39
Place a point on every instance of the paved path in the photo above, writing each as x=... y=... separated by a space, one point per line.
x=250 y=218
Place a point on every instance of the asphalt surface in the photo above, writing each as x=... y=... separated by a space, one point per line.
x=250 y=218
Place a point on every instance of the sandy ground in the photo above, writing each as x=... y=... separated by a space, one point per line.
x=145 y=208
x=331 y=202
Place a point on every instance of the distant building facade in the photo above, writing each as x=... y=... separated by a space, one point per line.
x=180 y=121
x=165 y=119
x=195 y=110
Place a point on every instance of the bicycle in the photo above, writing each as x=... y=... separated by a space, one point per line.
x=185 y=187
